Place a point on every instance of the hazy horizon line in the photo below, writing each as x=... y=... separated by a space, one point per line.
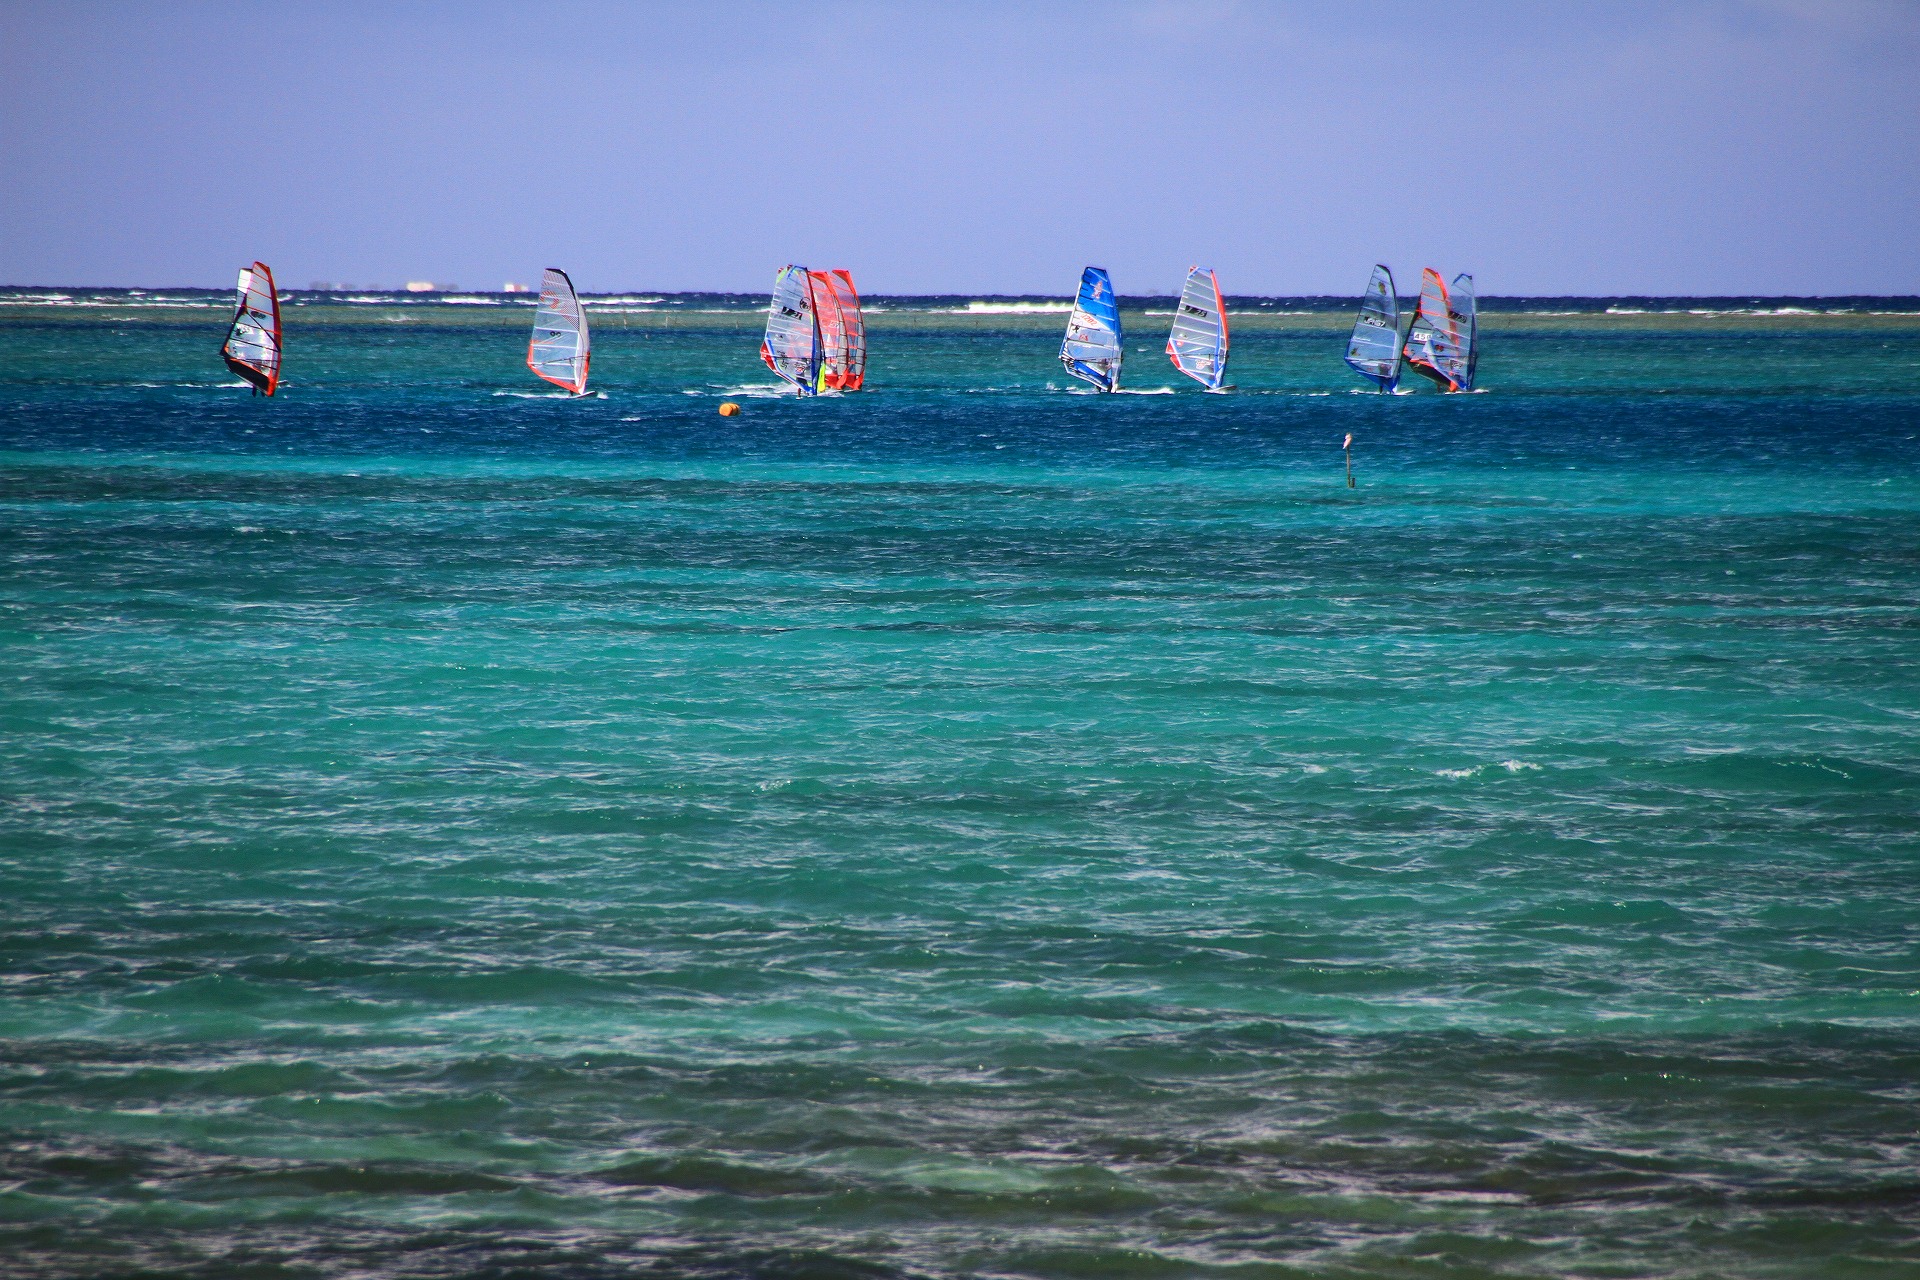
x=440 y=289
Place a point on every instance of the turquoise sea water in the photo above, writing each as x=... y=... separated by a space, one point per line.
x=967 y=828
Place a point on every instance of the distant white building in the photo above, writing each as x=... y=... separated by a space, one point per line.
x=428 y=286
x=514 y=287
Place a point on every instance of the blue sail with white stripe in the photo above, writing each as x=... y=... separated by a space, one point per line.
x=1091 y=350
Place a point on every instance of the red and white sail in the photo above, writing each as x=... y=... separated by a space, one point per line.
x=843 y=330
x=1437 y=341
x=559 y=350
x=1197 y=343
x=252 y=348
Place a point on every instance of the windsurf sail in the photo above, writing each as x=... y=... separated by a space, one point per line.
x=792 y=347
x=1435 y=347
x=1466 y=311
x=1091 y=349
x=1198 y=342
x=252 y=348
x=843 y=330
x=559 y=350
x=1374 y=348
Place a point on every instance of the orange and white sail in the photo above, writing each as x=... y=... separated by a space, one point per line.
x=252 y=348
x=843 y=330
x=559 y=350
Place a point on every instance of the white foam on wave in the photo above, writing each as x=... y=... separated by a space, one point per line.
x=619 y=300
x=461 y=300
x=756 y=390
x=1008 y=309
x=1511 y=766
x=125 y=304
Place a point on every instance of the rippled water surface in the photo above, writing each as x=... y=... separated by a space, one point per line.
x=966 y=828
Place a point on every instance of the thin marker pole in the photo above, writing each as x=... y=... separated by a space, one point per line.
x=1347 y=444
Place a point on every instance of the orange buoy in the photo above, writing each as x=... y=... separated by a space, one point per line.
x=728 y=408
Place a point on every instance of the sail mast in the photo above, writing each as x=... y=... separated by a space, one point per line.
x=1091 y=351
x=559 y=350
x=252 y=348
x=1197 y=343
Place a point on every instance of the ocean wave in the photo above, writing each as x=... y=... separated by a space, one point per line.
x=1006 y=309
x=1474 y=771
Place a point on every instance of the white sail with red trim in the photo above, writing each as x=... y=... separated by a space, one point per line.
x=560 y=350
x=1197 y=344
x=252 y=348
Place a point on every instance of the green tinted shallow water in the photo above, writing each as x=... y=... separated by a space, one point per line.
x=964 y=828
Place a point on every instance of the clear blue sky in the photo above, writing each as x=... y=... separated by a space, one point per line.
x=1704 y=146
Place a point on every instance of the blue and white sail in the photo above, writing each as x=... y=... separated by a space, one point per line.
x=1374 y=348
x=1091 y=349
x=1197 y=344
x=792 y=347
x=1466 y=311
